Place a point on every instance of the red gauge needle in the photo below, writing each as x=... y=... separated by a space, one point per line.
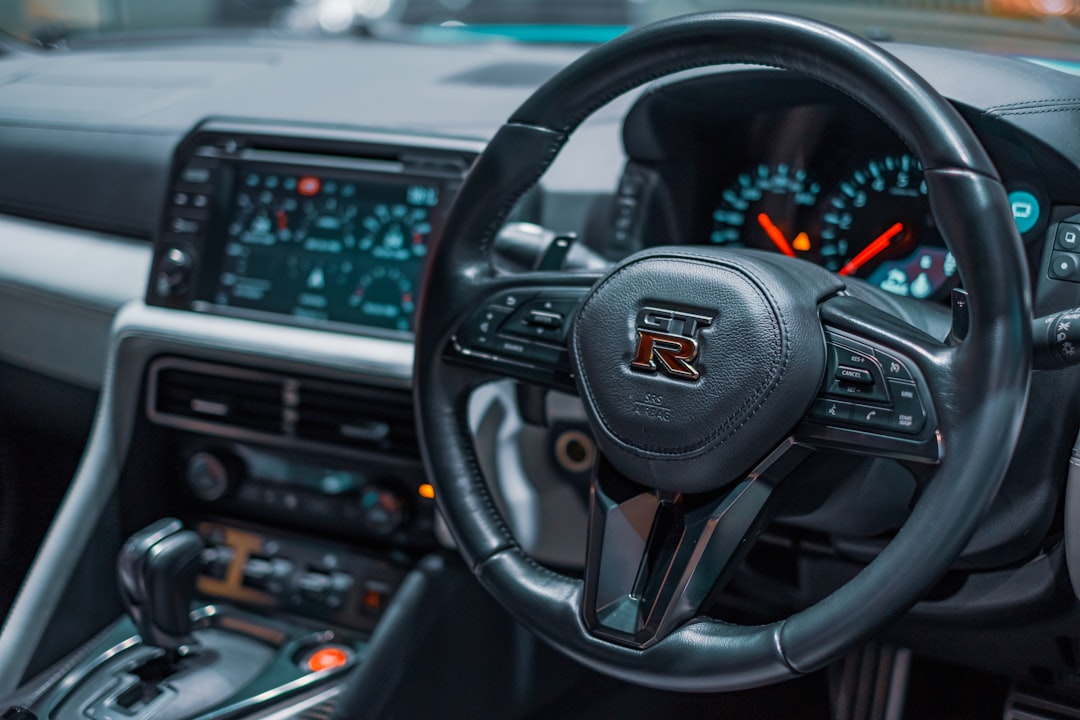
x=775 y=234
x=869 y=252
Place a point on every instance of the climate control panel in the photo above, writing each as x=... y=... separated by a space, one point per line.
x=381 y=498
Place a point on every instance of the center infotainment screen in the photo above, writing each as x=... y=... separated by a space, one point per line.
x=325 y=245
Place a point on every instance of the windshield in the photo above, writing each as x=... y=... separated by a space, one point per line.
x=1045 y=28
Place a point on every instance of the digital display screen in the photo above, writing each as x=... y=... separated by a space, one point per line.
x=325 y=245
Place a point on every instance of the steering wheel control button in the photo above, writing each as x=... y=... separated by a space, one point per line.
x=871 y=417
x=909 y=415
x=1065 y=266
x=893 y=367
x=1067 y=237
x=831 y=410
x=858 y=376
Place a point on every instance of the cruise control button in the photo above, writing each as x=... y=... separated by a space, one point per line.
x=825 y=409
x=852 y=358
x=869 y=416
x=893 y=367
x=860 y=376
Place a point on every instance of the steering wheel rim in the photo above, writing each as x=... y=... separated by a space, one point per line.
x=978 y=389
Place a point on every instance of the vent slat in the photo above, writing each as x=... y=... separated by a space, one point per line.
x=327 y=413
x=381 y=420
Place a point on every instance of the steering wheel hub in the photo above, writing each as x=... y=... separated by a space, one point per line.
x=694 y=364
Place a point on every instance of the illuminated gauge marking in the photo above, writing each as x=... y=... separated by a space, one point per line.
x=384 y=298
x=395 y=232
x=761 y=210
x=878 y=225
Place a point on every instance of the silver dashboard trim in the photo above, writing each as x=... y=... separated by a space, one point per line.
x=71 y=281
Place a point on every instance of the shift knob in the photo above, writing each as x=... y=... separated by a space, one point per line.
x=157 y=567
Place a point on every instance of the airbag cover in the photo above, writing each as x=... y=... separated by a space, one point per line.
x=694 y=364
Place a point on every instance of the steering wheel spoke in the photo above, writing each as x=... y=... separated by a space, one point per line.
x=881 y=378
x=517 y=328
x=653 y=558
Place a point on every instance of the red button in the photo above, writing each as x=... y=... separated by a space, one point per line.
x=308 y=185
x=327 y=658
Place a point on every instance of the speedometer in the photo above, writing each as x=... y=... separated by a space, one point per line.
x=761 y=209
x=878 y=226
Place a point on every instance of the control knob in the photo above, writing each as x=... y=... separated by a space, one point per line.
x=173 y=273
x=382 y=510
x=212 y=475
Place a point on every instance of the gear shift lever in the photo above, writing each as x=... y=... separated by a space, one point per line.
x=157 y=567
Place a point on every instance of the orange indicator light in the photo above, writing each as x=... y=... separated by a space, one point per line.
x=427 y=490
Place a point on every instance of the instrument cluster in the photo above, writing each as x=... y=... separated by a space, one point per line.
x=874 y=222
x=815 y=177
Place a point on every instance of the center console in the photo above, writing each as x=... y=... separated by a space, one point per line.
x=261 y=395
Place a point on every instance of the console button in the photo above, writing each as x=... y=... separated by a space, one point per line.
x=184 y=226
x=195 y=175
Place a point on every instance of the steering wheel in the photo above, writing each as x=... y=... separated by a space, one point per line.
x=709 y=375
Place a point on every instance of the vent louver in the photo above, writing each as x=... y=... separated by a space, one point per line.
x=243 y=404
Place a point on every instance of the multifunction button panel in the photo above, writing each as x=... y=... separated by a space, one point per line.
x=869 y=388
x=527 y=328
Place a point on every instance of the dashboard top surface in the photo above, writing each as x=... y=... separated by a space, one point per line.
x=69 y=118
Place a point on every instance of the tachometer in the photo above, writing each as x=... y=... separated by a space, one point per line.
x=878 y=226
x=762 y=207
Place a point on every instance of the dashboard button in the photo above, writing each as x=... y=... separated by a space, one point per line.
x=195 y=175
x=1068 y=236
x=1065 y=266
x=184 y=226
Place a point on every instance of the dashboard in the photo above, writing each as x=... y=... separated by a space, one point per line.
x=249 y=305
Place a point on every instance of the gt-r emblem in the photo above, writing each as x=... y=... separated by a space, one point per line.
x=667 y=341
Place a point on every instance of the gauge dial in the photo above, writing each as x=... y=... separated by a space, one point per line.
x=383 y=297
x=878 y=226
x=762 y=209
x=395 y=232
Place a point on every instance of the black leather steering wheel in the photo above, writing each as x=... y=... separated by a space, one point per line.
x=703 y=375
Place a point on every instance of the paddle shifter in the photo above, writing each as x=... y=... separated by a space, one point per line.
x=157 y=567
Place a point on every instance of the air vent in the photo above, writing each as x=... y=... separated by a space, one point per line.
x=367 y=418
x=250 y=405
x=229 y=400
